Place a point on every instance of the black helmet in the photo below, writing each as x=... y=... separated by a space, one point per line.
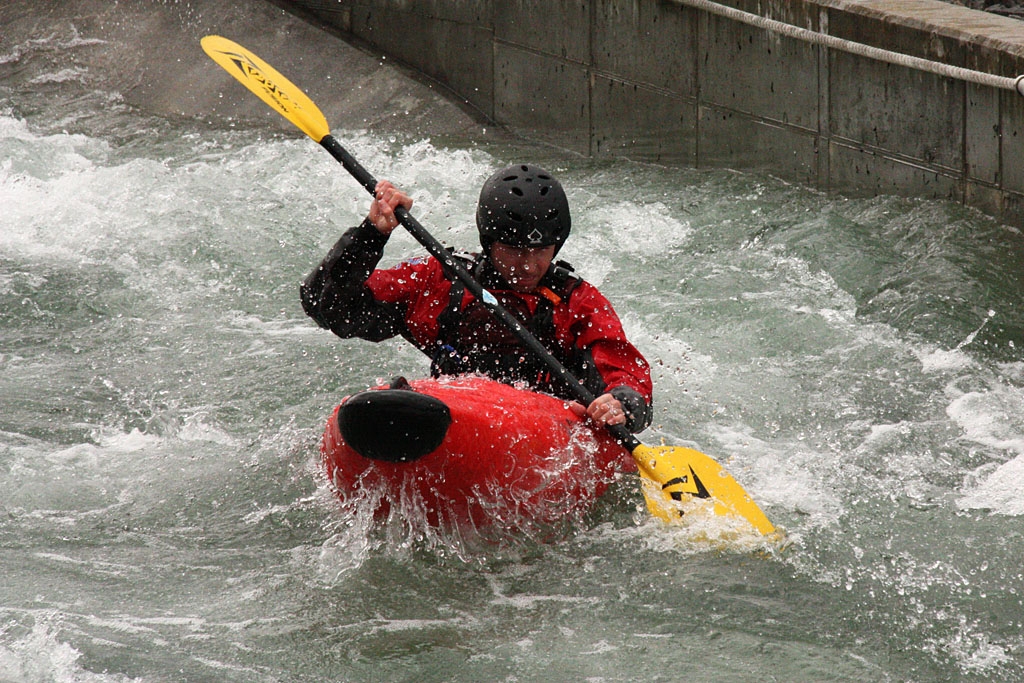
x=523 y=206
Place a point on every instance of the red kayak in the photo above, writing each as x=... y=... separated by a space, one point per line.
x=469 y=449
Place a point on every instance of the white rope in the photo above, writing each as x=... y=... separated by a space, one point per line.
x=959 y=73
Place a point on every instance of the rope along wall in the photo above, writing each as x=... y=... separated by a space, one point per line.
x=790 y=31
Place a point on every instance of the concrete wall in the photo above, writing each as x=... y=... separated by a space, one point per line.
x=658 y=81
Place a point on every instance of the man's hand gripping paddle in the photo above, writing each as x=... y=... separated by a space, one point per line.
x=669 y=473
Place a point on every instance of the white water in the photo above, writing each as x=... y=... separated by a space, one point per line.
x=854 y=363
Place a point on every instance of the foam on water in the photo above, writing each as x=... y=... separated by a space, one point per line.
x=992 y=419
x=36 y=654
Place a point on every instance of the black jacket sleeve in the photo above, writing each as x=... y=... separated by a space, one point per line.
x=638 y=411
x=336 y=296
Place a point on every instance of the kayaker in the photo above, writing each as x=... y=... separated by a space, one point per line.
x=523 y=220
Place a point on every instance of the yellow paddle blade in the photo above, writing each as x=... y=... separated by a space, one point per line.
x=270 y=86
x=677 y=472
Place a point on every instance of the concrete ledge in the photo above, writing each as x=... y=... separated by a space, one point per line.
x=657 y=80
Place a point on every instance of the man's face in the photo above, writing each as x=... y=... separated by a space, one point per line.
x=522 y=267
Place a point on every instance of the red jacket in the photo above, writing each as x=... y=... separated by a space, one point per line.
x=573 y=320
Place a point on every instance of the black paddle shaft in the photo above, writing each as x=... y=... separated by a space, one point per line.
x=437 y=250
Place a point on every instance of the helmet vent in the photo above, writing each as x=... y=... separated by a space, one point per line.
x=517 y=217
x=544 y=190
x=510 y=178
x=516 y=191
